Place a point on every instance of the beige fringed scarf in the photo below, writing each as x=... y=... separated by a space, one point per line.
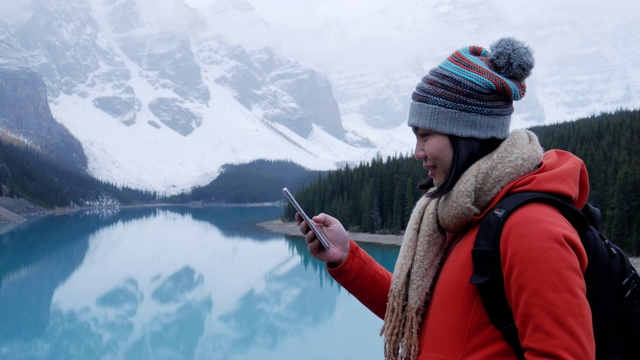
x=422 y=250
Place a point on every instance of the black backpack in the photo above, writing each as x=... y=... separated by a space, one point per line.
x=613 y=284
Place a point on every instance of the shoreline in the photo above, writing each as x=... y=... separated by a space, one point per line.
x=14 y=212
x=291 y=228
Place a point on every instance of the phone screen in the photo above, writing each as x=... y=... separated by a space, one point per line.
x=306 y=218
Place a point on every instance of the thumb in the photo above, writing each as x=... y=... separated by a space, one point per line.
x=320 y=218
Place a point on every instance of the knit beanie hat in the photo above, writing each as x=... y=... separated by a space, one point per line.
x=471 y=93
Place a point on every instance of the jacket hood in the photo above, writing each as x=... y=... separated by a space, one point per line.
x=560 y=173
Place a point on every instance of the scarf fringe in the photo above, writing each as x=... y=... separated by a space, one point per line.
x=393 y=330
x=402 y=336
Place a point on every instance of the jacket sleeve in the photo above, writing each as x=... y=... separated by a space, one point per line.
x=543 y=264
x=364 y=278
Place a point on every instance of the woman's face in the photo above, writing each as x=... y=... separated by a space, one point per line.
x=436 y=153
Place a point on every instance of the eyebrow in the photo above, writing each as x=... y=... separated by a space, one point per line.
x=419 y=130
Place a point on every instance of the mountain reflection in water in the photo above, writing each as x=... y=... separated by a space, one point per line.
x=174 y=283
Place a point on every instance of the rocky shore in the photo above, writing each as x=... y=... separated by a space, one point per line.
x=291 y=228
x=17 y=210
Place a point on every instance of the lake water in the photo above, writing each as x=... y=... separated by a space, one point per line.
x=175 y=283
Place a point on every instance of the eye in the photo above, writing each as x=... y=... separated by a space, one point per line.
x=422 y=133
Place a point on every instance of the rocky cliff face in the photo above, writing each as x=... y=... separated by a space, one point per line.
x=284 y=92
x=25 y=117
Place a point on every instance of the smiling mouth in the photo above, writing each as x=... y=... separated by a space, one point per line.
x=430 y=169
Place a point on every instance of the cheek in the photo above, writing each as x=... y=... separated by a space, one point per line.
x=443 y=152
x=437 y=150
x=447 y=157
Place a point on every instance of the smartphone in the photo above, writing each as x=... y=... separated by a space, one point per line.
x=310 y=222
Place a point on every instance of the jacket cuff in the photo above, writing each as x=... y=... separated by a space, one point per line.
x=336 y=271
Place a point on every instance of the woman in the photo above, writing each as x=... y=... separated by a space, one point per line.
x=460 y=115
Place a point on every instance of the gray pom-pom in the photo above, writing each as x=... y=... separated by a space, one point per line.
x=512 y=58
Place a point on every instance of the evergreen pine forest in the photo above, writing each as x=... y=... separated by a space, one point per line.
x=377 y=196
x=28 y=174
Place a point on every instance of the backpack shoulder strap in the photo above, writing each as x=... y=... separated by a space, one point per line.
x=487 y=267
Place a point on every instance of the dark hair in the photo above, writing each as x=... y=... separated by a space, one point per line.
x=466 y=151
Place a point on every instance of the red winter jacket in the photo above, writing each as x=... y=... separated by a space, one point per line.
x=543 y=263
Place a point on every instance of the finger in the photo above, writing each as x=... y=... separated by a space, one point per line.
x=310 y=237
x=304 y=228
x=320 y=218
x=313 y=246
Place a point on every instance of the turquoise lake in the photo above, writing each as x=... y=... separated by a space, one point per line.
x=175 y=283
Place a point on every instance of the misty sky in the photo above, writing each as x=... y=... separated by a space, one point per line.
x=313 y=13
x=372 y=19
x=376 y=21
x=297 y=11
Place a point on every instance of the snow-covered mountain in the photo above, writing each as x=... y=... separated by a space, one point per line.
x=161 y=95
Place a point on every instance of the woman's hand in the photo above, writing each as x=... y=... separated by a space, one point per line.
x=333 y=231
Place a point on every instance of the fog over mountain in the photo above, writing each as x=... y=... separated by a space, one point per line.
x=161 y=94
x=375 y=51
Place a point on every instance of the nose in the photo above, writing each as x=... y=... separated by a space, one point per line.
x=418 y=152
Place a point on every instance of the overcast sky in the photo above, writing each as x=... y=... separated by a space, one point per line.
x=585 y=16
x=304 y=13
x=296 y=11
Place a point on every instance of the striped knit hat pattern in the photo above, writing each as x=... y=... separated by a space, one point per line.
x=471 y=93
